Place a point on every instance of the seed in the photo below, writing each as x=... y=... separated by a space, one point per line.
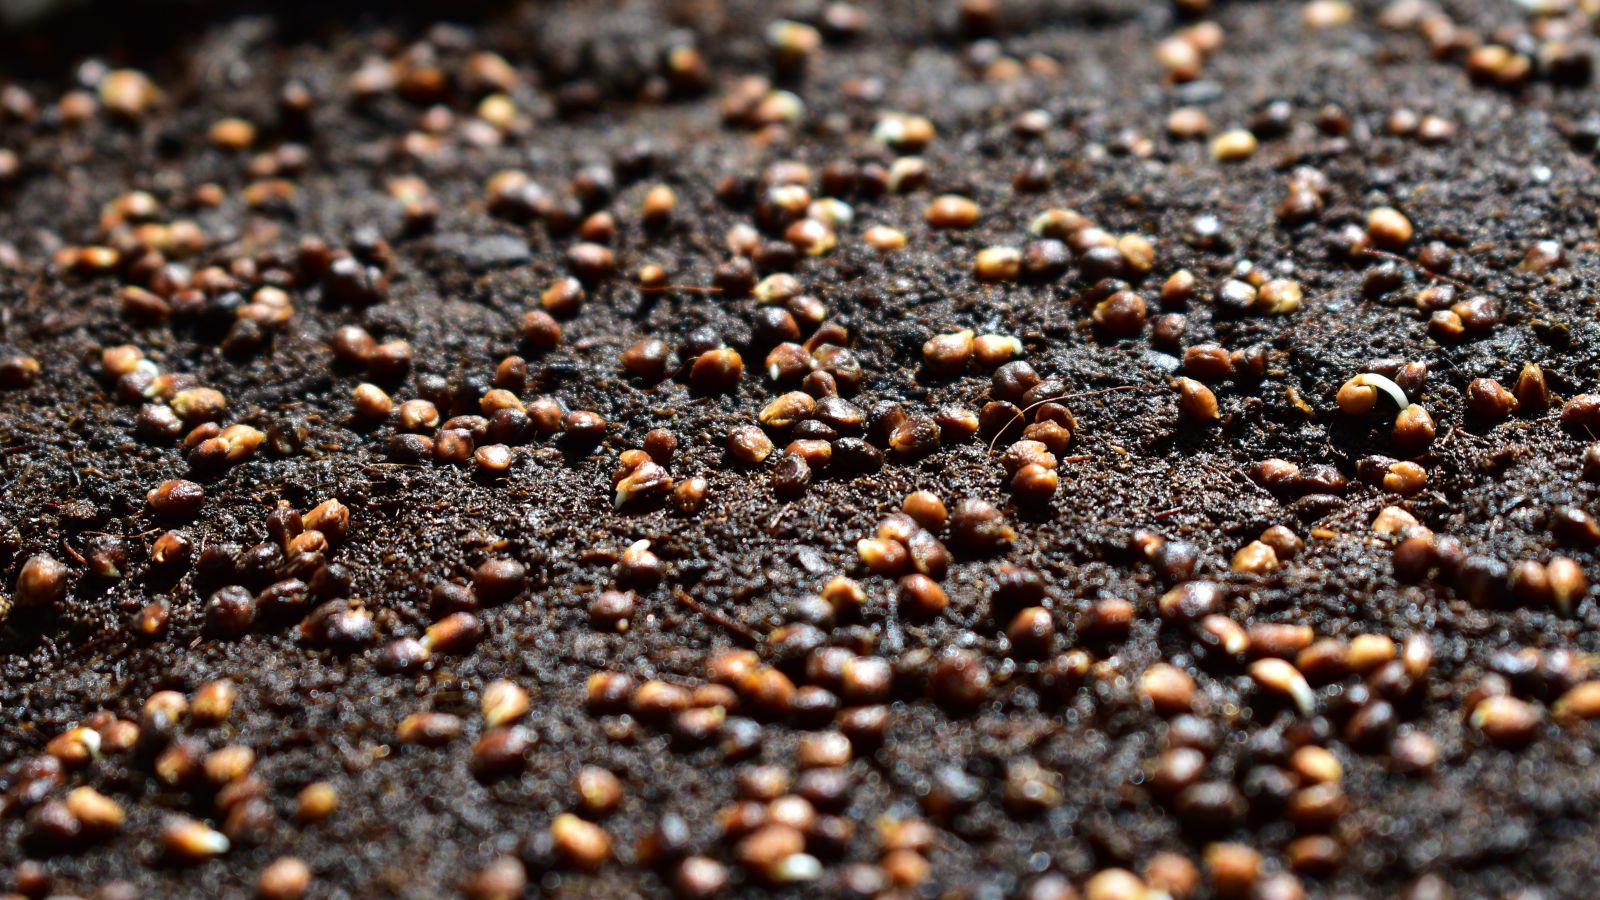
x=993 y=350
x=195 y=405
x=1279 y=297
x=316 y=802
x=1488 y=400
x=648 y=359
x=417 y=415
x=1531 y=389
x=926 y=508
x=498 y=580
x=228 y=764
x=1120 y=315
x=947 y=354
x=1282 y=678
x=599 y=790
x=998 y=263
x=1405 y=478
x=98 y=814
x=1316 y=765
x=1235 y=869
x=454 y=633
x=916 y=436
x=500 y=751
x=922 y=596
x=75 y=747
x=883 y=557
x=188 y=841
x=1579 y=703
x=1167 y=688
x=1188 y=123
x=690 y=495
x=1413 y=429
x=1035 y=483
x=1506 y=720
x=951 y=211
x=979 y=526
x=788 y=409
x=494 y=459
x=1234 y=145
x=331 y=518
x=749 y=445
x=1198 y=403
x=1388 y=228
x=1255 y=558
x=1568 y=585
x=286 y=878
x=18 y=372
x=583 y=844
x=352 y=344
x=230 y=611
x=176 y=498
x=1114 y=884
x=506 y=878
x=213 y=701
x=371 y=402
x=716 y=371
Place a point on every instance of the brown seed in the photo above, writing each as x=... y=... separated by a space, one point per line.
x=213 y=702
x=998 y=263
x=98 y=814
x=540 y=330
x=1405 y=478
x=1120 y=315
x=1531 y=389
x=494 y=459
x=187 y=841
x=690 y=495
x=176 y=498
x=1282 y=678
x=1506 y=720
x=500 y=751
x=951 y=211
x=503 y=702
x=883 y=557
x=1488 y=400
x=1413 y=429
x=926 y=508
x=584 y=845
x=716 y=371
x=916 y=436
x=41 y=582
x=1198 y=403
x=749 y=445
x=947 y=354
x=922 y=596
x=788 y=409
x=1388 y=228
x=599 y=790
x=1234 y=869
x=1234 y=145
x=371 y=402
x=1168 y=689
x=498 y=580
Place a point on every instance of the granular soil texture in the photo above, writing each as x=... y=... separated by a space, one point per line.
x=1253 y=552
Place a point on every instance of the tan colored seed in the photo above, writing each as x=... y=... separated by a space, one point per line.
x=1388 y=228
x=951 y=211
x=190 y=841
x=503 y=702
x=317 y=801
x=98 y=814
x=584 y=844
x=998 y=263
x=1255 y=558
x=286 y=878
x=1234 y=145
x=213 y=701
x=1282 y=678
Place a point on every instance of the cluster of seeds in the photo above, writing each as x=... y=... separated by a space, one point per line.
x=627 y=291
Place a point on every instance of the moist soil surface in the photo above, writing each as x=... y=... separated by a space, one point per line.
x=1487 y=819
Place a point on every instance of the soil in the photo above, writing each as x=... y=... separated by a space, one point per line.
x=416 y=821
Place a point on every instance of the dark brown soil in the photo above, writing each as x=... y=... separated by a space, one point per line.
x=417 y=822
